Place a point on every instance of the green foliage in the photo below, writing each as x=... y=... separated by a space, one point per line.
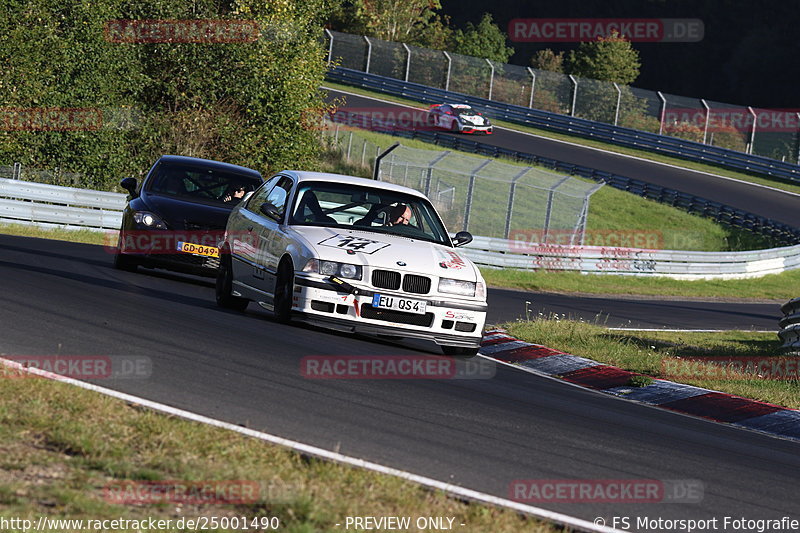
x=409 y=21
x=243 y=102
x=548 y=60
x=610 y=59
x=485 y=40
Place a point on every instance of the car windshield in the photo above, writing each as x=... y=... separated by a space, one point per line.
x=203 y=184
x=465 y=111
x=342 y=205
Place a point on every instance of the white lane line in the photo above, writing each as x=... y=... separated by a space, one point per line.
x=583 y=525
x=603 y=150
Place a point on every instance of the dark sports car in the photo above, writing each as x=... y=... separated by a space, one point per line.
x=177 y=216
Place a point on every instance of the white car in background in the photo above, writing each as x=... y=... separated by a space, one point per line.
x=458 y=118
x=354 y=255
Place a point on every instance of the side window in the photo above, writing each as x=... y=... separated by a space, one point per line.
x=260 y=196
x=278 y=195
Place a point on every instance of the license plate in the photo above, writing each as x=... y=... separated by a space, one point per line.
x=381 y=301
x=198 y=249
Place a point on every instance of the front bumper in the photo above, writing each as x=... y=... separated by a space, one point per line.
x=445 y=322
x=468 y=128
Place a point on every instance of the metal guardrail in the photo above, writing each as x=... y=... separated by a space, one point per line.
x=502 y=253
x=24 y=202
x=725 y=214
x=621 y=136
x=52 y=205
x=790 y=325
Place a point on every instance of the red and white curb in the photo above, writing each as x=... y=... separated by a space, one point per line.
x=695 y=401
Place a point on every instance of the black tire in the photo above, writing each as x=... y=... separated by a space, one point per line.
x=459 y=351
x=122 y=261
x=284 y=287
x=431 y=119
x=224 y=287
x=454 y=127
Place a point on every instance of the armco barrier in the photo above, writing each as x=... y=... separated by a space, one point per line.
x=779 y=232
x=48 y=205
x=24 y=202
x=673 y=146
x=502 y=253
x=790 y=325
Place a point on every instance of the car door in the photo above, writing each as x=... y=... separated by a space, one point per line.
x=243 y=234
x=271 y=239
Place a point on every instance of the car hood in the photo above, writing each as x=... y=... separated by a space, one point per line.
x=183 y=215
x=392 y=252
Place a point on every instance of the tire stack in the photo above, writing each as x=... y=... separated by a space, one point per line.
x=790 y=326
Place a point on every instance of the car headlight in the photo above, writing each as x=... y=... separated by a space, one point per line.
x=457 y=286
x=149 y=220
x=333 y=268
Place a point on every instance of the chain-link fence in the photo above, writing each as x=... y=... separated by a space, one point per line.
x=486 y=197
x=765 y=132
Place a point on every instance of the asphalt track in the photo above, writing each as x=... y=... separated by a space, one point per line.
x=763 y=201
x=483 y=434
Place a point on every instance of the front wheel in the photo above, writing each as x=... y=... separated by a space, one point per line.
x=454 y=127
x=122 y=261
x=284 y=287
x=459 y=351
x=224 y=287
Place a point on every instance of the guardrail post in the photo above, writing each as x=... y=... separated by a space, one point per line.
x=708 y=115
x=549 y=209
x=533 y=85
x=511 y=193
x=491 y=78
x=470 y=190
x=330 y=45
x=449 y=65
x=752 y=131
x=619 y=100
x=574 y=94
x=369 y=53
x=16 y=172
x=408 y=59
x=663 y=113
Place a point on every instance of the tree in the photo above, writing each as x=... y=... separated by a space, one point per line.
x=485 y=40
x=548 y=60
x=409 y=21
x=610 y=59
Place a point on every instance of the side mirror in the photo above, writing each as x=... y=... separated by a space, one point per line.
x=462 y=238
x=129 y=184
x=269 y=210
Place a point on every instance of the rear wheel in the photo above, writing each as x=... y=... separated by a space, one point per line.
x=284 y=287
x=122 y=261
x=459 y=351
x=225 y=285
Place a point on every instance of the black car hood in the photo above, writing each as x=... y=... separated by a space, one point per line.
x=183 y=215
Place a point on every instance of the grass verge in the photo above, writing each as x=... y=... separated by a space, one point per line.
x=720 y=171
x=63 y=447
x=677 y=356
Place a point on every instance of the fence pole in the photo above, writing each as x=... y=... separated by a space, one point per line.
x=549 y=210
x=511 y=192
x=663 y=113
x=619 y=100
x=752 y=130
x=574 y=93
x=798 y=139
x=470 y=190
x=708 y=115
x=349 y=145
x=330 y=45
x=429 y=173
x=369 y=53
x=363 y=152
x=408 y=59
x=491 y=78
x=449 y=65
x=533 y=85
